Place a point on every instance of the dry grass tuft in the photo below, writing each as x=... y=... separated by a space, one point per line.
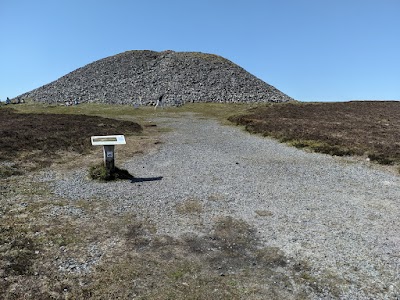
x=264 y=213
x=189 y=207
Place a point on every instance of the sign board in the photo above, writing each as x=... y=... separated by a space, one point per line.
x=108 y=140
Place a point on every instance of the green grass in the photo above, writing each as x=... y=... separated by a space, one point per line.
x=321 y=147
x=211 y=110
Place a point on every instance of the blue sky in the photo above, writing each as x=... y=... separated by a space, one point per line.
x=312 y=50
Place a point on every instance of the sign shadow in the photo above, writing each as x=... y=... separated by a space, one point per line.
x=142 y=179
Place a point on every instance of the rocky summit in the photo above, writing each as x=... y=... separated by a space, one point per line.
x=141 y=77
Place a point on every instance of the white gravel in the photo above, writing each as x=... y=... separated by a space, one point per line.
x=341 y=217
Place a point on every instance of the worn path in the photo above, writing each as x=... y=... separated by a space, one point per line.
x=341 y=217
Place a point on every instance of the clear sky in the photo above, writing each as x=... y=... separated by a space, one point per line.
x=312 y=50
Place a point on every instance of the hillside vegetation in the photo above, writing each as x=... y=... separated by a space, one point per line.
x=33 y=141
x=353 y=128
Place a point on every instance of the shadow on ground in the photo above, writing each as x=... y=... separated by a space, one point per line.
x=145 y=179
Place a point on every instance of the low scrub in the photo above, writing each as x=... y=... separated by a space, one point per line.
x=37 y=139
x=7 y=170
x=370 y=128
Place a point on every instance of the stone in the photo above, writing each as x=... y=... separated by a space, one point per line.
x=141 y=76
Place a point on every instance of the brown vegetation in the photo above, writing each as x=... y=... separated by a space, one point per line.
x=37 y=139
x=351 y=128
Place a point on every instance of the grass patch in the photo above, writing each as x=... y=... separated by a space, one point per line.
x=99 y=172
x=352 y=128
x=381 y=159
x=321 y=147
x=264 y=213
x=17 y=251
x=218 y=111
x=189 y=206
x=234 y=236
x=7 y=170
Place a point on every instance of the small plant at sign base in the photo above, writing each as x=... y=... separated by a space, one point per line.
x=100 y=172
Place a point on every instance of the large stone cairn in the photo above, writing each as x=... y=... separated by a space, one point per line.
x=141 y=77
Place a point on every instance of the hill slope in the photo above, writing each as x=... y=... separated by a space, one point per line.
x=142 y=76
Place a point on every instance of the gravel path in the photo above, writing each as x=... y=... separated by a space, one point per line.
x=341 y=217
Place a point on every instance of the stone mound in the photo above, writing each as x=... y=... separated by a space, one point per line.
x=141 y=77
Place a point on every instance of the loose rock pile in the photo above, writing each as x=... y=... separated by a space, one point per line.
x=141 y=77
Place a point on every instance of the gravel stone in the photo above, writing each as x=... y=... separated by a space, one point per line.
x=342 y=217
x=141 y=77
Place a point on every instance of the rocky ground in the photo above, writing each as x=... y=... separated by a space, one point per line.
x=309 y=226
x=212 y=213
x=141 y=77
